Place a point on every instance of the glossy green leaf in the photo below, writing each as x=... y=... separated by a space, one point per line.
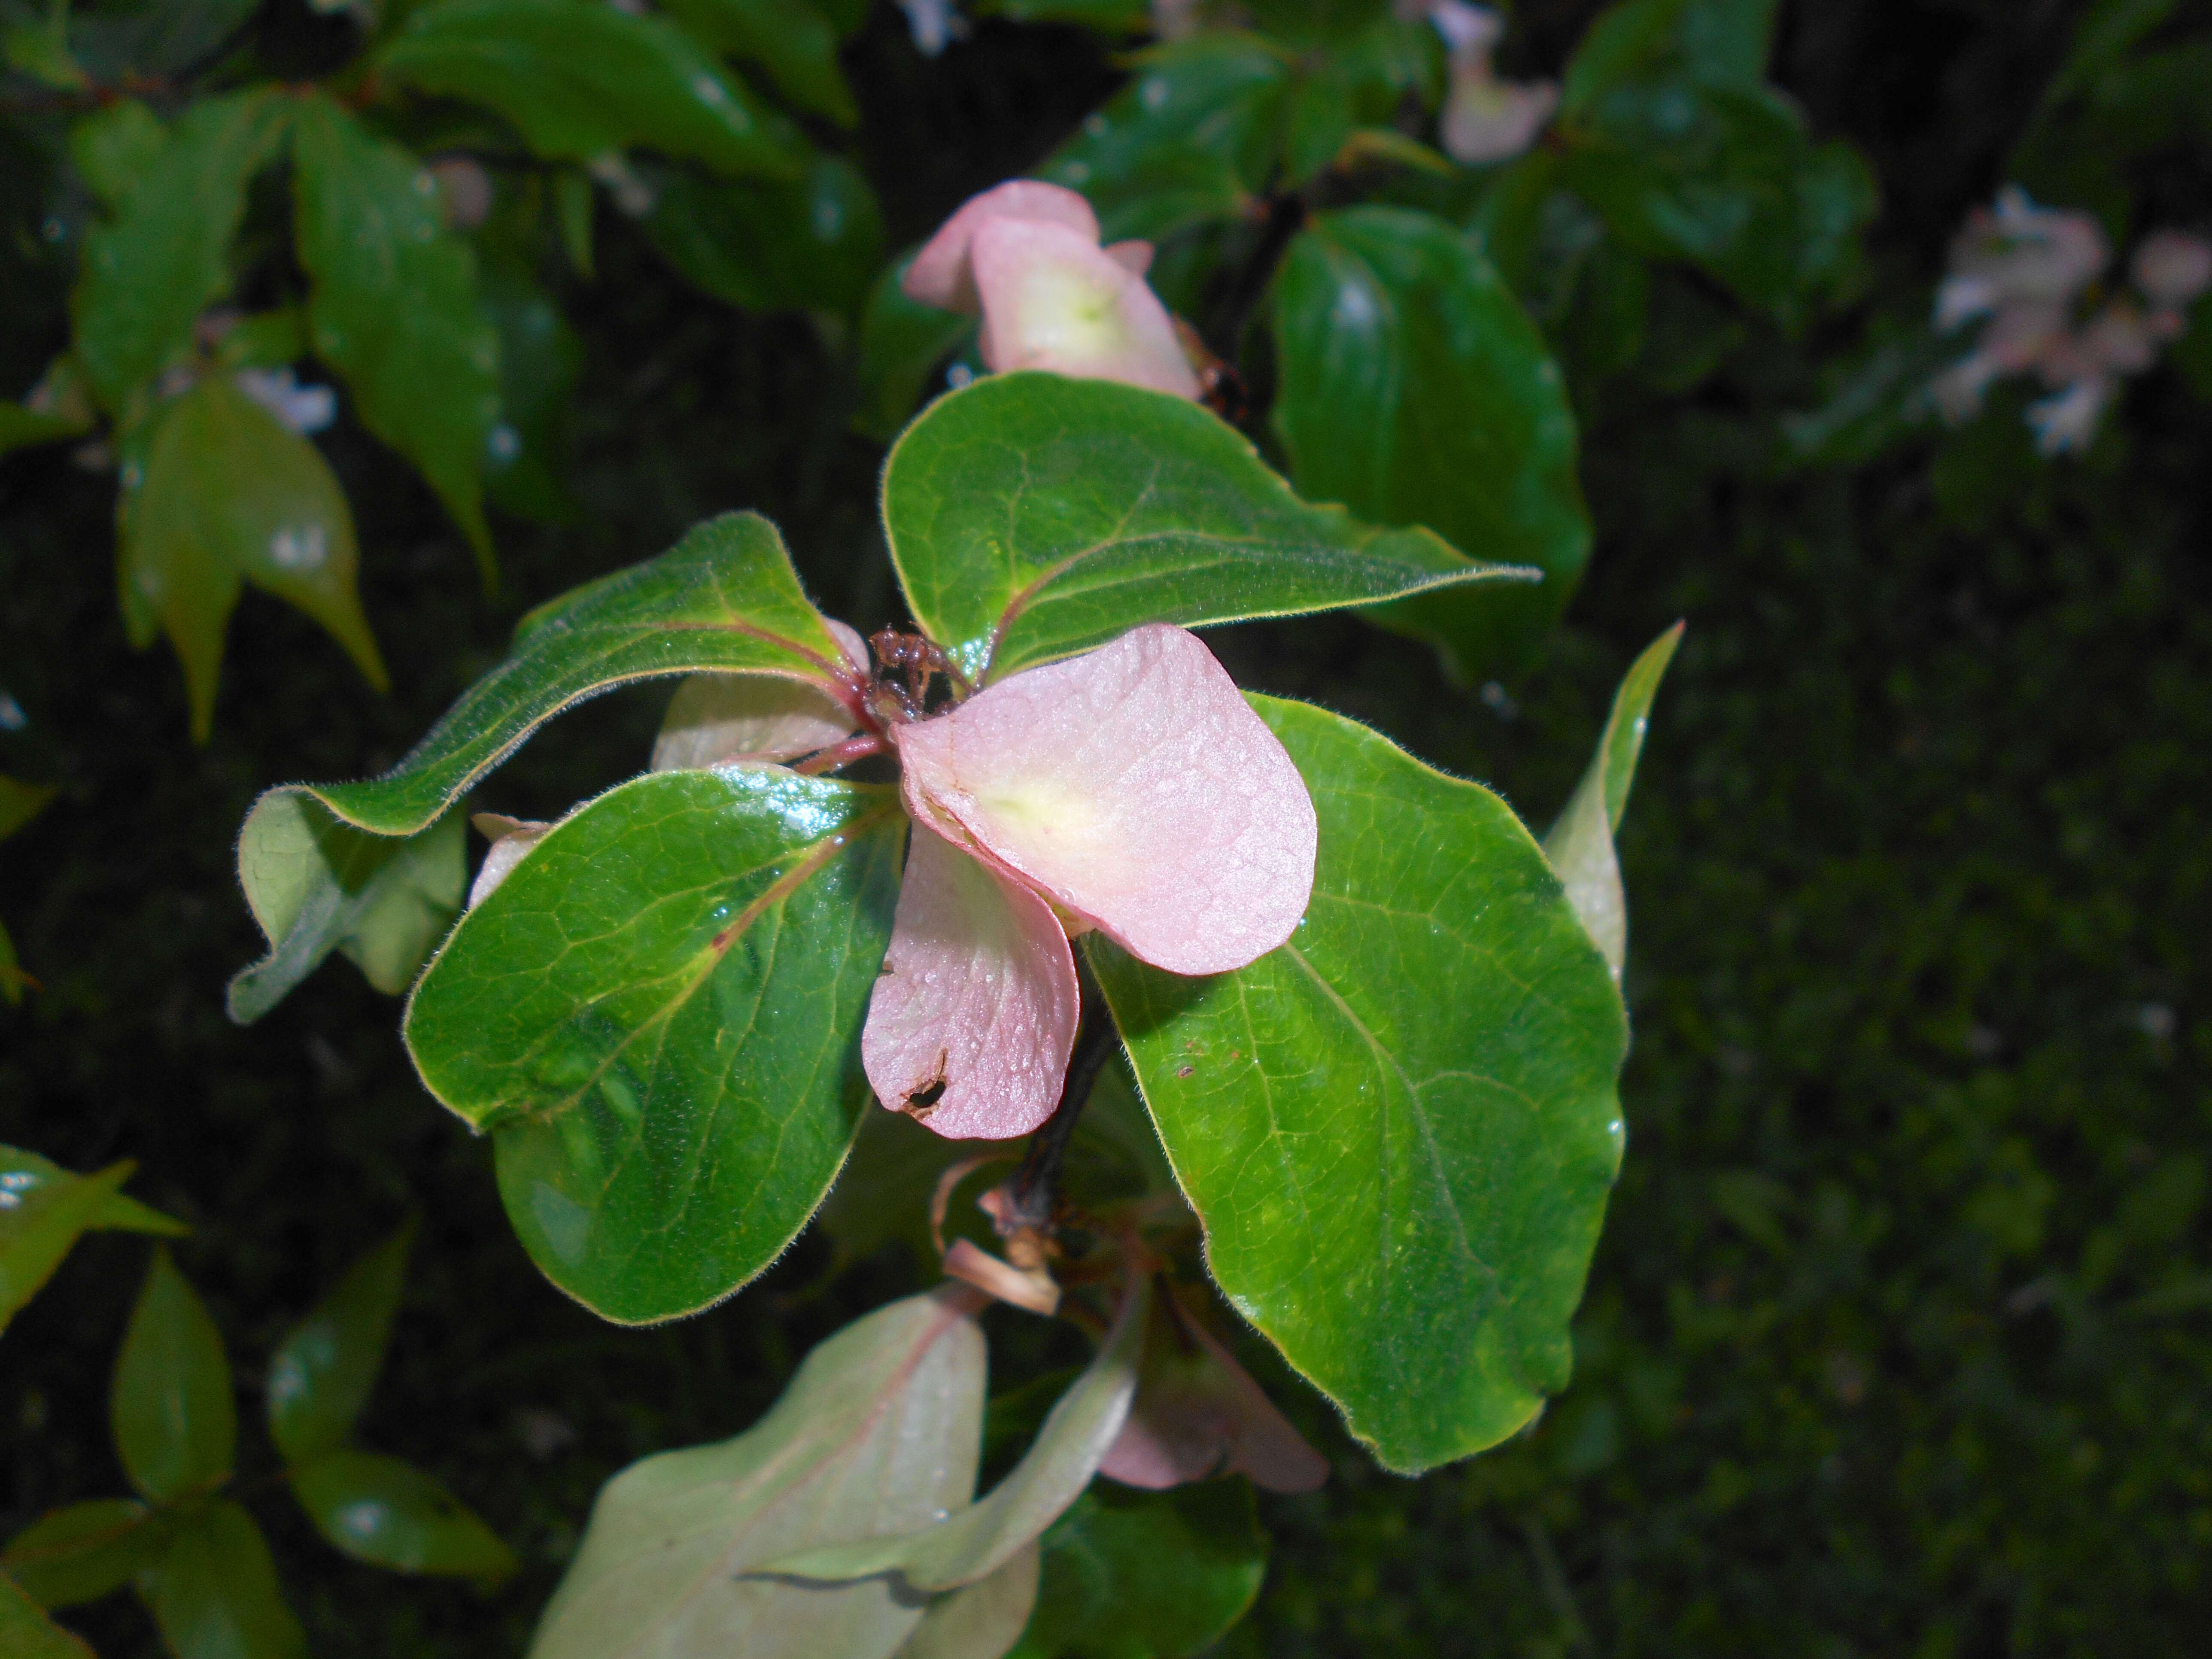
x=85 y=1551
x=394 y=308
x=982 y=1620
x=657 y=1014
x=27 y=1634
x=317 y=884
x=813 y=244
x=154 y=39
x=580 y=80
x=974 y=1542
x=116 y=146
x=42 y=1211
x=392 y=1515
x=174 y=1417
x=903 y=343
x=793 y=42
x=1146 y=1575
x=1031 y=517
x=1415 y=390
x=230 y=494
x=320 y=1376
x=724 y=598
x=165 y=257
x=1676 y=142
x=1580 y=844
x=1712 y=43
x=216 y=1595
x=1406 y=1205
x=876 y=1433
x=1219 y=94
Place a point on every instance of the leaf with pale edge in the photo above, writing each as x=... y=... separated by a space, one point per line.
x=974 y=1542
x=317 y=884
x=216 y=1595
x=1415 y=390
x=1032 y=517
x=175 y=1416
x=320 y=1376
x=165 y=257
x=230 y=494
x=657 y=1015
x=394 y=308
x=1133 y=1575
x=580 y=80
x=1400 y=1128
x=877 y=1432
x=982 y=1620
x=1580 y=844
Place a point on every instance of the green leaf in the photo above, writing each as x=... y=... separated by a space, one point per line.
x=20 y=803
x=657 y=1014
x=165 y=257
x=1031 y=517
x=390 y=1514
x=320 y=1376
x=1415 y=390
x=229 y=493
x=982 y=1620
x=903 y=343
x=216 y=1595
x=791 y=41
x=21 y=428
x=724 y=598
x=1675 y=139
x=43 y=1210
x=174 y=1417
x=41 y=52
x=974 y=1542
x=115 y=147
x=580 y=80
x=540 y=361
x=317 y=884
x=85 y=1551
x=812 y=245
x=1219 y=95
x=155 y=39
x=27 y=1634
x=394 y=306
x=1580 y=844
x=1404 y=1204
x=1146 y=1575
x=877 y=1432
x=269 y=339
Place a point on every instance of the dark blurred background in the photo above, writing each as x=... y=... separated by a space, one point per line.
x=1897 y=1342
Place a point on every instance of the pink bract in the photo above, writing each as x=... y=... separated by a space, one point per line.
x=974 y=1010
x=1052 y=299
x=1136 y=789
x=941 y=275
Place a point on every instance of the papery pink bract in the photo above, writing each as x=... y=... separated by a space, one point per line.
x=715 y=719
x=1136 y=789
x=2017 y=251
x=976 y=1002
x=511 y=840
x=1199 y=1413
x=2172 y=268
x=941 y=275
x=1054 y=298
x=1485 y=119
